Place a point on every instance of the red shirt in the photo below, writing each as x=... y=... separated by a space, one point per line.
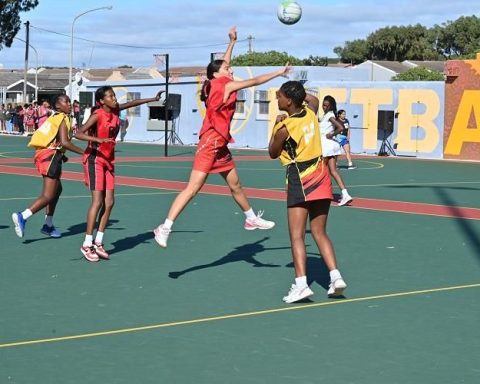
x=108 y=125
x=219 y=114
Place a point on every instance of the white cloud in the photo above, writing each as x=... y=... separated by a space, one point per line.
x=190 y=30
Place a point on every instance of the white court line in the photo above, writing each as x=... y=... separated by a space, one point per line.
x=295 y=307
x=439 y=183
x=89 y=196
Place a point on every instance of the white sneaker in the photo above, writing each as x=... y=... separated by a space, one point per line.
x=258 y=223
x=351 y=166
x=346 y=199
x=161 y=235
x=297 y=294
x=336 y=288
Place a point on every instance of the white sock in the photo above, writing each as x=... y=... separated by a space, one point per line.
x=26 y=214
x=88 y=241
x=250 y=214
x=49 y=220
x=99 y=238
x=301 y=282
x=344 y=192
x=168 y=224
x=335 y=275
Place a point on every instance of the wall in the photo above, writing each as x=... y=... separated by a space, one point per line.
x=428 y=115
x=462 y=110
x=417 y=107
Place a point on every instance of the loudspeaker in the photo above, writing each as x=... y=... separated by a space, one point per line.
x=385 y=120
x=174 y=102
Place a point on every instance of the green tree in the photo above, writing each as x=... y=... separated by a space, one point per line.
x=10 y=22
x=459 y=38
x=263 y=59
x=412 y=42
x=354 y=52
x=319 y=61
x=419 y=74
x=453 y=39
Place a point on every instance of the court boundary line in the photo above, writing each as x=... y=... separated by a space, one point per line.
x=235 y=316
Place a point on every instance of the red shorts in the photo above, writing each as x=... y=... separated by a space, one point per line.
x=99 y=174
x=213 y=155
x=48 y=162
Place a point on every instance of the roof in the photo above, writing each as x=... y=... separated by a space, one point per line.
x=438 y=66
x=394 y=66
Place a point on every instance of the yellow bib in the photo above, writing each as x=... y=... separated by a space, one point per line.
x=45 y=135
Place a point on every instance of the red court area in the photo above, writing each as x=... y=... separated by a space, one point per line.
x=7 y=166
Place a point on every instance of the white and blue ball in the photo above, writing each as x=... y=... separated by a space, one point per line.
x=289 y=12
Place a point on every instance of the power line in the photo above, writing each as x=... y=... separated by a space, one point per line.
x=135 y=46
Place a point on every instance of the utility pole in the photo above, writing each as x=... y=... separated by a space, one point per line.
x=27 y=38
x=250 y=43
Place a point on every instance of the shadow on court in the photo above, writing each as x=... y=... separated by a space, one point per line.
x=472 y=237
x=70 y=231
x=317 y=272
x=245 y=253
x=132 y=241
x=465 y=225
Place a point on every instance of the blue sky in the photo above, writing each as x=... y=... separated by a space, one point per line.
x=133 y=31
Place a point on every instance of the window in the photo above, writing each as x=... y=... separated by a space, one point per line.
x=134 y=111
x=240 y=105
x=261 y=99
x=86 y=98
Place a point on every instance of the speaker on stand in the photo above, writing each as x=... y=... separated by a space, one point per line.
x=173 y=104
x=385 y=130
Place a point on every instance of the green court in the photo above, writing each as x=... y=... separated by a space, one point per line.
x=208 y=308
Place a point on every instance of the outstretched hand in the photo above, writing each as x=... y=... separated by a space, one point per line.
x=286 y=70
x=159 y=95
x=232 y=33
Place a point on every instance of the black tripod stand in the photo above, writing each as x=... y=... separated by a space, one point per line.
x=386 y=147
x=172 y=133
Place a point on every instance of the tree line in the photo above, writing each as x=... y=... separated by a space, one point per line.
x=459 y=39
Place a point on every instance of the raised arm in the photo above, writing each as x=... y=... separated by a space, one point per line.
x=257 y=80
x=232 y=35
x=134 y=103
x=312 y=102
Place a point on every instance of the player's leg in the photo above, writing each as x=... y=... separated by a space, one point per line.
x=318 y=226
x=252 y=220
x=48 y=194
x=49 y=228
x=88 y=249
x=346 y=148
x=332 y=167
x=195 y=183
x=233 y=181
x=297 y=219
x=103 y=218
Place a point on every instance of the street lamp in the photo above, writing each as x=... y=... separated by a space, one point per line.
x=36 y=67
x=71 y=46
